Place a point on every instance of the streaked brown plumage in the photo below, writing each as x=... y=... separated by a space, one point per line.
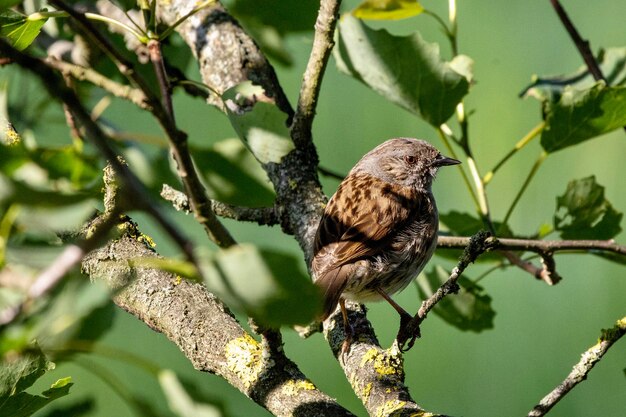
x=380 y=228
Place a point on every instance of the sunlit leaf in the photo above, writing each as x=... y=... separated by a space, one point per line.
x=18 y=372
x=261 y=126
x=80 y=311
x=20 y=30
x=470 y=309
x=267 y=285
x=584 y=213
x=580 y=115
x=387 y=9
x=180 y=402
x=406 y=70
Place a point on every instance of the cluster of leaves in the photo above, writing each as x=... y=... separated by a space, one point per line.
x=46 y=191
x=410 y=72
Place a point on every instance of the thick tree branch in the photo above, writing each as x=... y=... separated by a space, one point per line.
x=376 y=374
x=227 y=56
x=580 y=371
x=205 y=330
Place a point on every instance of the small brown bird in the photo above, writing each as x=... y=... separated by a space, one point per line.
x=380 y=228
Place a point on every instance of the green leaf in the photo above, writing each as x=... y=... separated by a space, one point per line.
x=580 y=115
x=406 y=70
x=387 y=9
x=80 y=311
x=261 y=126
x=18 y=372
x=584 y=213
x=612 y=62
x=20 y=30
x=267 y=285
x=470 y=309
x=180 y=402
x=232 y=175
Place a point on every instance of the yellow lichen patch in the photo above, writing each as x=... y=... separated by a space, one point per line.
x=11 y=137
x=389 y=407
x=244 y=359
x=370 y=355
x=293 y=184
x=178 y=279
x=366 y=392
x=385 y=363
x=293 y=388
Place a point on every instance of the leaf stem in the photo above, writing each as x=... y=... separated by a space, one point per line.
x=531 y=174
x=444 y=139
x=535 y=131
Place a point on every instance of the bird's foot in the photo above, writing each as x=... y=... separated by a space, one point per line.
x=409 y=331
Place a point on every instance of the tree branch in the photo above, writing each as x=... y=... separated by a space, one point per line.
x=312 y=80
x=581 y=44
x=580 y=371
x=535 y=245
x=134 y=95
x=57 y=89
x=477 y=245
x=265 y=216
x=375 y=374
x=164 y=113
x=205 y=330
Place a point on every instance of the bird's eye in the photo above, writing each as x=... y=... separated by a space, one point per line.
x=410 y=159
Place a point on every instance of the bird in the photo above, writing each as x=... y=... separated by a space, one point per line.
x=379 y=229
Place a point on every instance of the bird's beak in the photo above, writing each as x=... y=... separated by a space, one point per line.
x=444 y=160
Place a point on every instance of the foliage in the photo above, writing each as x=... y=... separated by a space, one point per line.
x=51 y=183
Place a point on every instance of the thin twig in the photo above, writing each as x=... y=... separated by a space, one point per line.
x=165 y=115
x=57 y=89
x=535 y=245
x=312 y=79
x=581 y=44
x=134 y=95
x=330 y=173
x=476 y=245
x=198 y=200
x=267 y=216
x=124 y=66
x=580 y=371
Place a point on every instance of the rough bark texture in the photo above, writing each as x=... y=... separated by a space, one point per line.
x=205 y=330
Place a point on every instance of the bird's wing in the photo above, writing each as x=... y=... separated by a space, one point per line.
x=359 y=221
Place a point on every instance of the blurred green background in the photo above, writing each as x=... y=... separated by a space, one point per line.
x=540 y=331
